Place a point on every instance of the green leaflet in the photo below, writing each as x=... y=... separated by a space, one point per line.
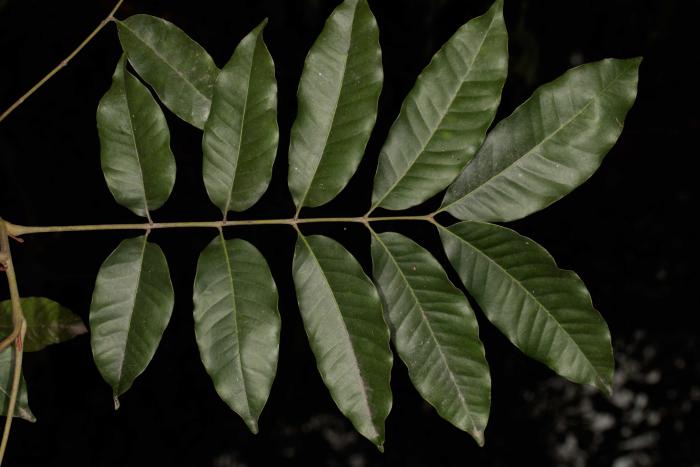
x=435 y=332
x=237 y=324
x=444 y=118
x=338 y=97
x=241 y=134
x=180 y=71
x=550 y=145
x=47 y=322
x=342 y=315
x=545 y=311
x=135 y=144
x=7 y=363
x=131 y=306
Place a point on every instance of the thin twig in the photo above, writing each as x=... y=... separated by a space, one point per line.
x=63 y=63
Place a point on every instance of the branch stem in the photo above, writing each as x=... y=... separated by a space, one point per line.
x=19 y=230
x=63 y=62
x=19 y=328
x=8 y=267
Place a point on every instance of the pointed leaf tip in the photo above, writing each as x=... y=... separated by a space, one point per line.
x=605 y=387
x=252 y=425
x=116 y=403
x=479 y=437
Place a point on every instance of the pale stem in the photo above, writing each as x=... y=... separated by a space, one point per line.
x=19 y=230
x=63 y=63
x=8 y=267
x=17 y=334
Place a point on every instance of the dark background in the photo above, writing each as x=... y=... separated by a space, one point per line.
x=626 y=232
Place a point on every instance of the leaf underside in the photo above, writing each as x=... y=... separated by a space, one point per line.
x=241 y=134
x=135 y=144
x=237 y=324
x=47 y=322
x=434 y=331
x=546 y=148
x=179 y=70
x=550 y=145
x=545 y=311
x=342 y=315
x=337 y=105
x=444 y=118
x=131 y=306
x=7 y=364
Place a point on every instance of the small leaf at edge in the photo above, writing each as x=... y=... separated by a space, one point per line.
x=47 y=322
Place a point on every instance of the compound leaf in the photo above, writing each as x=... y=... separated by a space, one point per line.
x=444 y=118
x=180 y=71
x=545 y=311
x=7 y=364
x=47 y=322
x=338 y=97
x=237 y=324
x=241 y=134
x=550 y=145
x=135 y=144
x=131 y=306
x=435 y=332
x=342 y=315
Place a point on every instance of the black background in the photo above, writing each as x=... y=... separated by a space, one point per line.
x=627 y=232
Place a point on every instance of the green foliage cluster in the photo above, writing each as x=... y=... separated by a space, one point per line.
x=547 y=147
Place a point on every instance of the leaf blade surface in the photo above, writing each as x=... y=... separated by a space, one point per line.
x=47 y=322
x=444 y=118
x=337 y=105
x=241 y=133
x=342 y=315
x=22 y=410
x=180 y=71
x=131 y=307
x=548 y=146
x=237 y=324
x=136 y=159
x=434 y=331
x=545 y=311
